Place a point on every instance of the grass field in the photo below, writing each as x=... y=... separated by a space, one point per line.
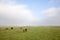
x=33 y=33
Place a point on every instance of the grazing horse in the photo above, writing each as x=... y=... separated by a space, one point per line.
x=11 y=27
x=6 y=28
x=25 y=30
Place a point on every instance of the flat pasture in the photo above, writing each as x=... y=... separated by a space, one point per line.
x=33 y=33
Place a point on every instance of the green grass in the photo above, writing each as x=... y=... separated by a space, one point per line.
x=33 y=33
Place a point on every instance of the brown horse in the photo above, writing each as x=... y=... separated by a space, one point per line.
x=11 y=28
x=25 y=30
x=6 y=28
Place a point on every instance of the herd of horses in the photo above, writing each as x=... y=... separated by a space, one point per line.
x=24 y=30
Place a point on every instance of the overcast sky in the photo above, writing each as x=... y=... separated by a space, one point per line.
x=29 y=12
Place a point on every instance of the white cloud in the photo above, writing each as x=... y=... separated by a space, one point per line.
x=15 y=11
x=53 y=16
x=8 y=1
x=11 y=10
x=51 y=12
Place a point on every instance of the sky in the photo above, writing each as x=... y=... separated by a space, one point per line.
x=29 y=12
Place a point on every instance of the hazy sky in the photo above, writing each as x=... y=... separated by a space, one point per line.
x=30 y=12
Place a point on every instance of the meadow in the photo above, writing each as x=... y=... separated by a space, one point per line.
x=33 y=33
